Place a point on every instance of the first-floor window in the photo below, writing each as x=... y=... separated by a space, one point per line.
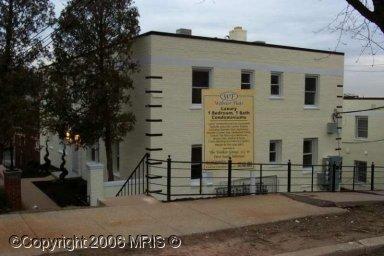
x=361 y=171
x=275 y=151
x=309 y=152
x=196 y=162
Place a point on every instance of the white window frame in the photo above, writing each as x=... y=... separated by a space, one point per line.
x=314 y=152
x=357 y=127
x=200 y=69
x=279 y=84
x=316 y=103
x=278 y=151
x=251 y=79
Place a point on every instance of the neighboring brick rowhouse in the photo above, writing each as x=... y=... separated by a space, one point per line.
x=12 y=186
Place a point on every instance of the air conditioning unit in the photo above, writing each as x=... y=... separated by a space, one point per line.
x=332 y=128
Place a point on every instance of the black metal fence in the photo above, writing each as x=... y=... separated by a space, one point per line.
x=173 y=179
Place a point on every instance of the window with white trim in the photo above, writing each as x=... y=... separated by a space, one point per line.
x=196 y=162
x=311 y=88
x=361 y=127
x=276 y=88
x=200 y=80
x=361 y=171
x=246 y=80
x=309 y=152
x=275 y=151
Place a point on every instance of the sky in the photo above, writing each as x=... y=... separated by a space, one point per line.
x=298 y=23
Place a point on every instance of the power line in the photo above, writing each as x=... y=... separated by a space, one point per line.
x=361 y=110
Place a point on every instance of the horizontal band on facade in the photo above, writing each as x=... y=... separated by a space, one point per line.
x=153 y=106
x=340 y=85
x=154 y=120
x=153 y=91
x=153 y=77
x=153 y=149
x=153 y=134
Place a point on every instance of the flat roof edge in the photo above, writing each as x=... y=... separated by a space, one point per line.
x=362 y=98
x=239 y=42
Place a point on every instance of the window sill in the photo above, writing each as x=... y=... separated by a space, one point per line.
x=195 y=107
x=361 y=139
x=275 y=97
x=311 y=107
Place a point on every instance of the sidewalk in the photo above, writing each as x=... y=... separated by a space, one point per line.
x=145 y=215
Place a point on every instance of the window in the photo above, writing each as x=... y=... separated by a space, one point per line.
x=196 y=159
x=362 y=127
x=200 y=80
x=116 y=156
x=361 y=171
x=95 y=155
x=275 y=151
x=311 y=90
x=309 y=152
x=276 y=84
x=246 y=80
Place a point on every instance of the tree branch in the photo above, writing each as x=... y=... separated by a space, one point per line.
x=363 y=10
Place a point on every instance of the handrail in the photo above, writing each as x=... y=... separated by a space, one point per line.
x=143 y=159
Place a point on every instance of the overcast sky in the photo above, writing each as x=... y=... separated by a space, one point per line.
x=286 y=22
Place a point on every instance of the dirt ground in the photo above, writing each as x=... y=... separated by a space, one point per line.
x=269 y=239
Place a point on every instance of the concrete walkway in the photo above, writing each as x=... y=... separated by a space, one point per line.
x=145 y=215
x=33 y=199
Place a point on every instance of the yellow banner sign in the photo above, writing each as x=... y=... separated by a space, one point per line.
x=228 y=127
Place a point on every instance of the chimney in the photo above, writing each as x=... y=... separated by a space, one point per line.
x=184 y=31
x=238 y=34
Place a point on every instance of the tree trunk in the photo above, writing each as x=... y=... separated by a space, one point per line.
x=108 y=151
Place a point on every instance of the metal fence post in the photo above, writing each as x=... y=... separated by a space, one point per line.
x=169 y=161
x=229 y=177
x=261 y=179
x=354 y=177
x=201 y=184
x=147 y=174
x=373 y=177
x=334 y=177
x=289 y=175
x=313 y=170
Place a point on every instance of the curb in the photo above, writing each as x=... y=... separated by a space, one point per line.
x=355 y=248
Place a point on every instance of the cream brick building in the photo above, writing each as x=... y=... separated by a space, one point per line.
x=363 y=141
x=296 y=93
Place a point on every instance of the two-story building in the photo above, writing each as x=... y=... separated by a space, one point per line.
x=297 y=91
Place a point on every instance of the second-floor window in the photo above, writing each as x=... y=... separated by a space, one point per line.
x=276 y=84
x=246 y=80
x=200 y=80
x=311 y=84
x=362 y=127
